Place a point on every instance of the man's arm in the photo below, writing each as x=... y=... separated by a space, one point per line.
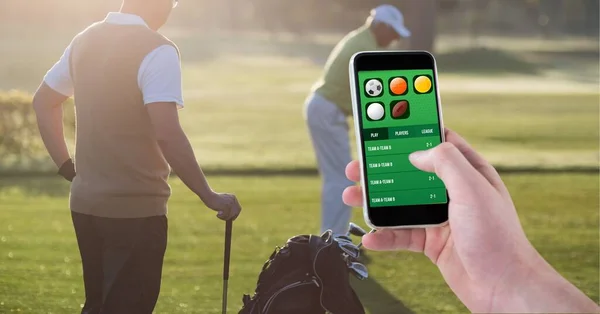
x=177 y=149
x=47 y=104
x=159 y=80
x=536 y=287
x=178 y=152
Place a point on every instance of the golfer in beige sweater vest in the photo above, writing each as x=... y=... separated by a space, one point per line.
x=126 y=82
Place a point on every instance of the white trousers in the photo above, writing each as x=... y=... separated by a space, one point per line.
x=328 y=128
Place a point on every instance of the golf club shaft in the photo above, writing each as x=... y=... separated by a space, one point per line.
x=372 y=231
x=226 y=256
x=227 y=253
x=224 y=305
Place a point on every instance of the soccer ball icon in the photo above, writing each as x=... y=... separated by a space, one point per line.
x=373 y=87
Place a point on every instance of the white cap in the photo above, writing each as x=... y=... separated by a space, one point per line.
x=391 y=16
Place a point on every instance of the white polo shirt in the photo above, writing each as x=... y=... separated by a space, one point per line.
x=159 y=76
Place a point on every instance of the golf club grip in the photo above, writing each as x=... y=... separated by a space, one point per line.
x=227 y=255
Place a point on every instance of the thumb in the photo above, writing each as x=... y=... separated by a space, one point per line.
x=422 y=160
x=462 y=181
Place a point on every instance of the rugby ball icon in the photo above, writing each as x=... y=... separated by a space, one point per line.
x=399 y=109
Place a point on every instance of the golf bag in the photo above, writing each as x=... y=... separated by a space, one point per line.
x=308 y=275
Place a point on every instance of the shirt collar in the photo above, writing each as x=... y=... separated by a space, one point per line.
x=124 y=19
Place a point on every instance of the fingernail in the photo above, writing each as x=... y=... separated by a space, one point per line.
x=418 y=155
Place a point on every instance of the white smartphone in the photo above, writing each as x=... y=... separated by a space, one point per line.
x=397 y=111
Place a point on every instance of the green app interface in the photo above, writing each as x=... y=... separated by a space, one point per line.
x=399 y=116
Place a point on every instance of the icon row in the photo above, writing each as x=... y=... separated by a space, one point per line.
x=400 y=109
x=398 y=86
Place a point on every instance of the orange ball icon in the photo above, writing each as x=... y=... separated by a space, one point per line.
x=398 y=86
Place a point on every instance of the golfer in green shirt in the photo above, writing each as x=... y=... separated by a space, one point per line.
x=329 y=105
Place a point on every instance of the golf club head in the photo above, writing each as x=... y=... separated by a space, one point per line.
x=356 y=230
x=344 y=241
x=350 y=249
x=359 y=270
x=343 y=238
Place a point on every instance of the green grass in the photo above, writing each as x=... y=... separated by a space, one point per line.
x=40 y=267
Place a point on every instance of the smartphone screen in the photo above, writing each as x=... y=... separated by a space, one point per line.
x=398 y=113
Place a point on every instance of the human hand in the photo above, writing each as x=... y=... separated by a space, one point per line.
x=67 y=170
x=483 y=252
x=226 y=205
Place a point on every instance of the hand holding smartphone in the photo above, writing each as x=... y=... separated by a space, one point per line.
x=396 y=108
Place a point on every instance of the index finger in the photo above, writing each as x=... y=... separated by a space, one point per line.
x=353 y=171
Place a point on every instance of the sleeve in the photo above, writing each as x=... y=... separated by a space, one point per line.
x=59 y=76
x=159 y=77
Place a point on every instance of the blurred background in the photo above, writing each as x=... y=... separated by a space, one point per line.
x=518 y=78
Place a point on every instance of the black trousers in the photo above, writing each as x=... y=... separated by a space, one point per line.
x=122 y=262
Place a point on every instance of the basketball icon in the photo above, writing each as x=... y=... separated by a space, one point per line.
x=398 y=86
